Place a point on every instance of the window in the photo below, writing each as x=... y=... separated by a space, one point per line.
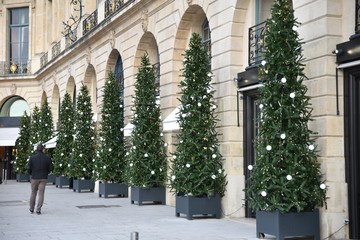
x=19 y=38
x=206 y=38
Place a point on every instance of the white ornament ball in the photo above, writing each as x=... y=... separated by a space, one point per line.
x=250 y=167
x=214 y=156
x=146 y=155
x=187 y=165
x=174 y=156
x=283 y=136
x=289 y=177
x=213 y=176
x=104 y=167
x=283 y=80
x=219 y=171
x=110 y=149
x=134 y=147
x=263 y=62
x=209 y=74
x=60 y=165
x=84 y=169
x=322 y=186
x=268 y=147
x=161 y=134
x=261 y=106
x=295 y=28
x=131 y=164
x=173 y=177
x=127 y=153
x=199 y=104
x=165 y=144
x=160 y=169
x=69 y=165
x=311 y=147
x=263 y=193
x=292 y=95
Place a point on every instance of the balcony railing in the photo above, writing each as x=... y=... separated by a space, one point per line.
x=256 y=43
x=44 y=60
x=56 y=49
x=15 y=67
x=70 y=38
x=357 y=17
x=90 y=22
x=112 y=6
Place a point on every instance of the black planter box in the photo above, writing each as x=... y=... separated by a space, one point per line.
x=61 y=181
x=190 y=206
x=21 y=177
x=51 y=179
x=117 y=189
x=141 y=194
x=284 y=225
x=83 y=184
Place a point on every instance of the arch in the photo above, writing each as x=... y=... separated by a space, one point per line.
x=148 y=44
x=43 y=97
x=91 y=83
x=14 y=107
x=71 y=89
x=111 y=63
x=55 y=104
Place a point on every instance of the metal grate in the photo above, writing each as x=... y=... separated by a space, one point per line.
x=97 y=206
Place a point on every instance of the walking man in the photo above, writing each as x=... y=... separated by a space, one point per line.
x=39 y=167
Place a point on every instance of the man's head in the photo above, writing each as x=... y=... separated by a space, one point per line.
x=40 y=148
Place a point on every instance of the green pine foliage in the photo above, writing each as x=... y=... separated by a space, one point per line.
x=82 y=163
x=110 y=161
x=197 y=163
x=35 y=129
x=286 y=175
x=46 y=124
x=23 y=146
x=64 y=143
x=147 y=156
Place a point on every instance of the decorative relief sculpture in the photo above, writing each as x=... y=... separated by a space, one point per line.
x=189 y=1
x=112 y=39
x=13 y=89
x=88 y=55
x=145 y=20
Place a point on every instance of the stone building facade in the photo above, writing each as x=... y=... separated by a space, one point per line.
x=113 y=35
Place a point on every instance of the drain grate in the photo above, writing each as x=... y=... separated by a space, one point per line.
x=13 y=203
x=97 y=206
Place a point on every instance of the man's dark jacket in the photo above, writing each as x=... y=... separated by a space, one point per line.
x=39 y=166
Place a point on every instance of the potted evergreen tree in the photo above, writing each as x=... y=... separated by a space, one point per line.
x=23 y=150
x=110 y=161
x=197 y=176
x=83 y=157
x=35 y=129
x=64 y=143
x=146 y=168
x=46 y=130
x=285 y=184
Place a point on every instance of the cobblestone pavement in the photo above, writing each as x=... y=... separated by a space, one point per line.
x=104 y=219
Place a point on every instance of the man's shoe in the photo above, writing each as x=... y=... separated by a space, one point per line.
x=38 y=212
x=31 y=211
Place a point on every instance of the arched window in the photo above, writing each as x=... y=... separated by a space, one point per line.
x=14 y=107
x=74 y=97
x=206 y=38
x=119 y=74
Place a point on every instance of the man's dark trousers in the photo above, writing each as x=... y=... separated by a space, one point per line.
x=37 y=185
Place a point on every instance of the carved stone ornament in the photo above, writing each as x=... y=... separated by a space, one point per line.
x=54 y=77
x=144 y=20
x=189 y=1
x=13 y=89
x=33 y=4
x=88 y=55
x=112 y=39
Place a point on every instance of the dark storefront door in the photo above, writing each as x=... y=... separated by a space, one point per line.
x=251 y=114
x=352 y=145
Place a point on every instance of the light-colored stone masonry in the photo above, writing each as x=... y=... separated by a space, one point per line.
x=168 y=25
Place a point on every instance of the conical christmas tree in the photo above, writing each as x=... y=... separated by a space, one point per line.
x=286 y=175
x=35 y=129
x=147 y=157
x=64 y=143
x=197 y=163
x=23 y=146
x=110 y=161
x=82 y=164
x=46 y=124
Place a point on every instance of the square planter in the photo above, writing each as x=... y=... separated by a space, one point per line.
x=51 y=179
x=190 y=206
x=117 y=189
x=141 y=194
x=21 y=177
x=83 y=184
x=284 y=225
x=61 y=181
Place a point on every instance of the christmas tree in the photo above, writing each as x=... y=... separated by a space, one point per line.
x=110 y=164
x=64 y=143
x=197 y=163
x=82 y=164
x=286 y=175
x=35 y=129
x=147 y=157
x=45 y=123
x=23 y=146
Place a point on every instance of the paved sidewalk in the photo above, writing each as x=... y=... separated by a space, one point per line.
x=62 y=219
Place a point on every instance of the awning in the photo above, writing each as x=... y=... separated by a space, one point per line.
x=51 y=143
x=8 y=136
x=170 y=122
